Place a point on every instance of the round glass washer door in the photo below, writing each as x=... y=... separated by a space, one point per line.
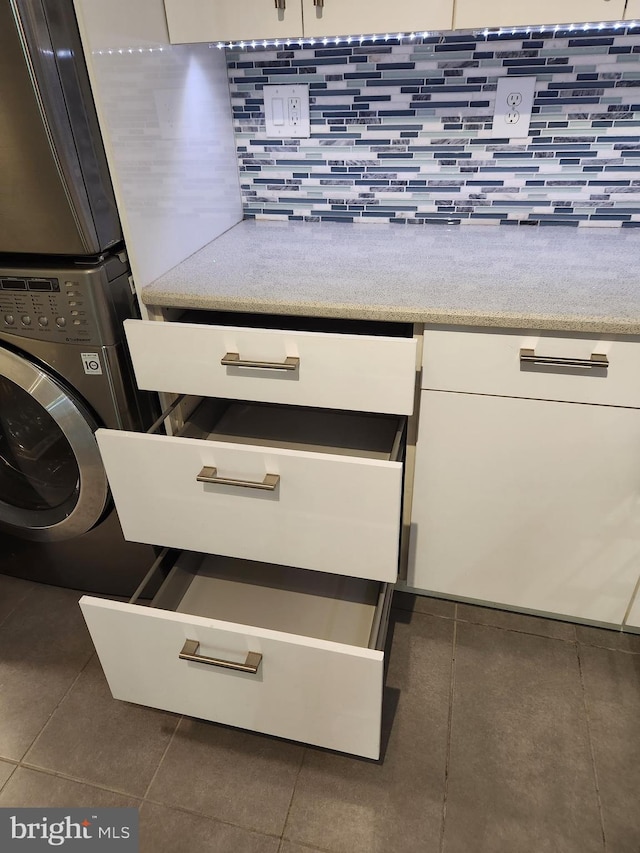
x=52 y=481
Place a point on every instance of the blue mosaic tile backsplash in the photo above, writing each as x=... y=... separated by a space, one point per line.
x=401 y=130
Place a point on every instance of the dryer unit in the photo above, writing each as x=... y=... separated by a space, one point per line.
x=64 y=372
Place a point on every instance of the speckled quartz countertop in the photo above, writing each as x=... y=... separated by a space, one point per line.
x=557 y=278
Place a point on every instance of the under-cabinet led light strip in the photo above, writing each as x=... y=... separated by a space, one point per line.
x=385 y=37
x=128 y=50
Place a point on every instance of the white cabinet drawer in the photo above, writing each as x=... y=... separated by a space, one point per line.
x=334 y=508
x=317 y=644
x=338 y=371
x=485 y=362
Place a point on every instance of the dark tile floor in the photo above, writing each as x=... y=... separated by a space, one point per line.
x=503 y=734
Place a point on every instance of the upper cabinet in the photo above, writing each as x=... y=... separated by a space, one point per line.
x=236 y=20
x=336 y=18
x=232 y=20
x=471 y=14
x=632 y=12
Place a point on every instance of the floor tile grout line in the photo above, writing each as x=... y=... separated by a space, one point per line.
x=529 y=633
x=570 y=640
x=214 y=819
x=6 y=781
x=8 y=615
x=58 y=704
x=452 y=679
x=293 y=792
x=591 y=747
x=608 y=648
x=58 y=774
x=305 y=847
x=312 y=848
x=413 y=612
x=162 y=757
x=140 y=799
x=567 y=622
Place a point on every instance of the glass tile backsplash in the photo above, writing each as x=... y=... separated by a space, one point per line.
x=401 y=130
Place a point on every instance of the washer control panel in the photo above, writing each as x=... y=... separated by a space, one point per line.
x=47 y=308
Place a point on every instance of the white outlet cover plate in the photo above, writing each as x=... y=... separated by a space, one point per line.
x=514 y=102
x=286 y=111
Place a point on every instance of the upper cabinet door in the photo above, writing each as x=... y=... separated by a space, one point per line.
x=355 y=17
x=632 y=12
x=232 y=20
x=513 y=13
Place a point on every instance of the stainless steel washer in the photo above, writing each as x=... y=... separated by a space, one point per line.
x=64 y=371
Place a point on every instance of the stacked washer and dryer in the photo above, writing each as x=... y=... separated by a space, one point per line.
x=64 y=294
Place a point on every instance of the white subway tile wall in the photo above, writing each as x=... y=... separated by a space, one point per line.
x=401 y=130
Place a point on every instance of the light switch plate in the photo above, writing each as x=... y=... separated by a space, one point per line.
x=286 y=111
x=514 y=102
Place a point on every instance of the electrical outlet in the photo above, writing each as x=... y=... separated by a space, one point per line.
x=514 y=102
x=294 y=111
x=286 y=111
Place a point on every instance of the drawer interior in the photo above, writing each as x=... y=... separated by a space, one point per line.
x=297 y=428
x=330 y=607
x=325 y=325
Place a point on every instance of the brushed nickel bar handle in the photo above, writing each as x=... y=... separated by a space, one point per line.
x=190 y=652
x=209 y=475
x=318 y=3
x=598 y=359
x=281 y=4
x=232 y=359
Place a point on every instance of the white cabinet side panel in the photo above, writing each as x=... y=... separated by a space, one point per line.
x=165 y=117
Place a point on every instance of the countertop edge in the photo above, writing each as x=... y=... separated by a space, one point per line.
x=419 y=315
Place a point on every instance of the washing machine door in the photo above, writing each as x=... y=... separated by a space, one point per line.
x=52 y=482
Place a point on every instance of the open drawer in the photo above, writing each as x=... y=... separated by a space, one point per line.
x=311 y=488
x=369 y=373
x=276 y=650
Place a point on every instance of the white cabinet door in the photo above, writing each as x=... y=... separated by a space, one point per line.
x=336 y=17
x=527 y=504
x=231 y=20
x=509 y=13
x=632 y=12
